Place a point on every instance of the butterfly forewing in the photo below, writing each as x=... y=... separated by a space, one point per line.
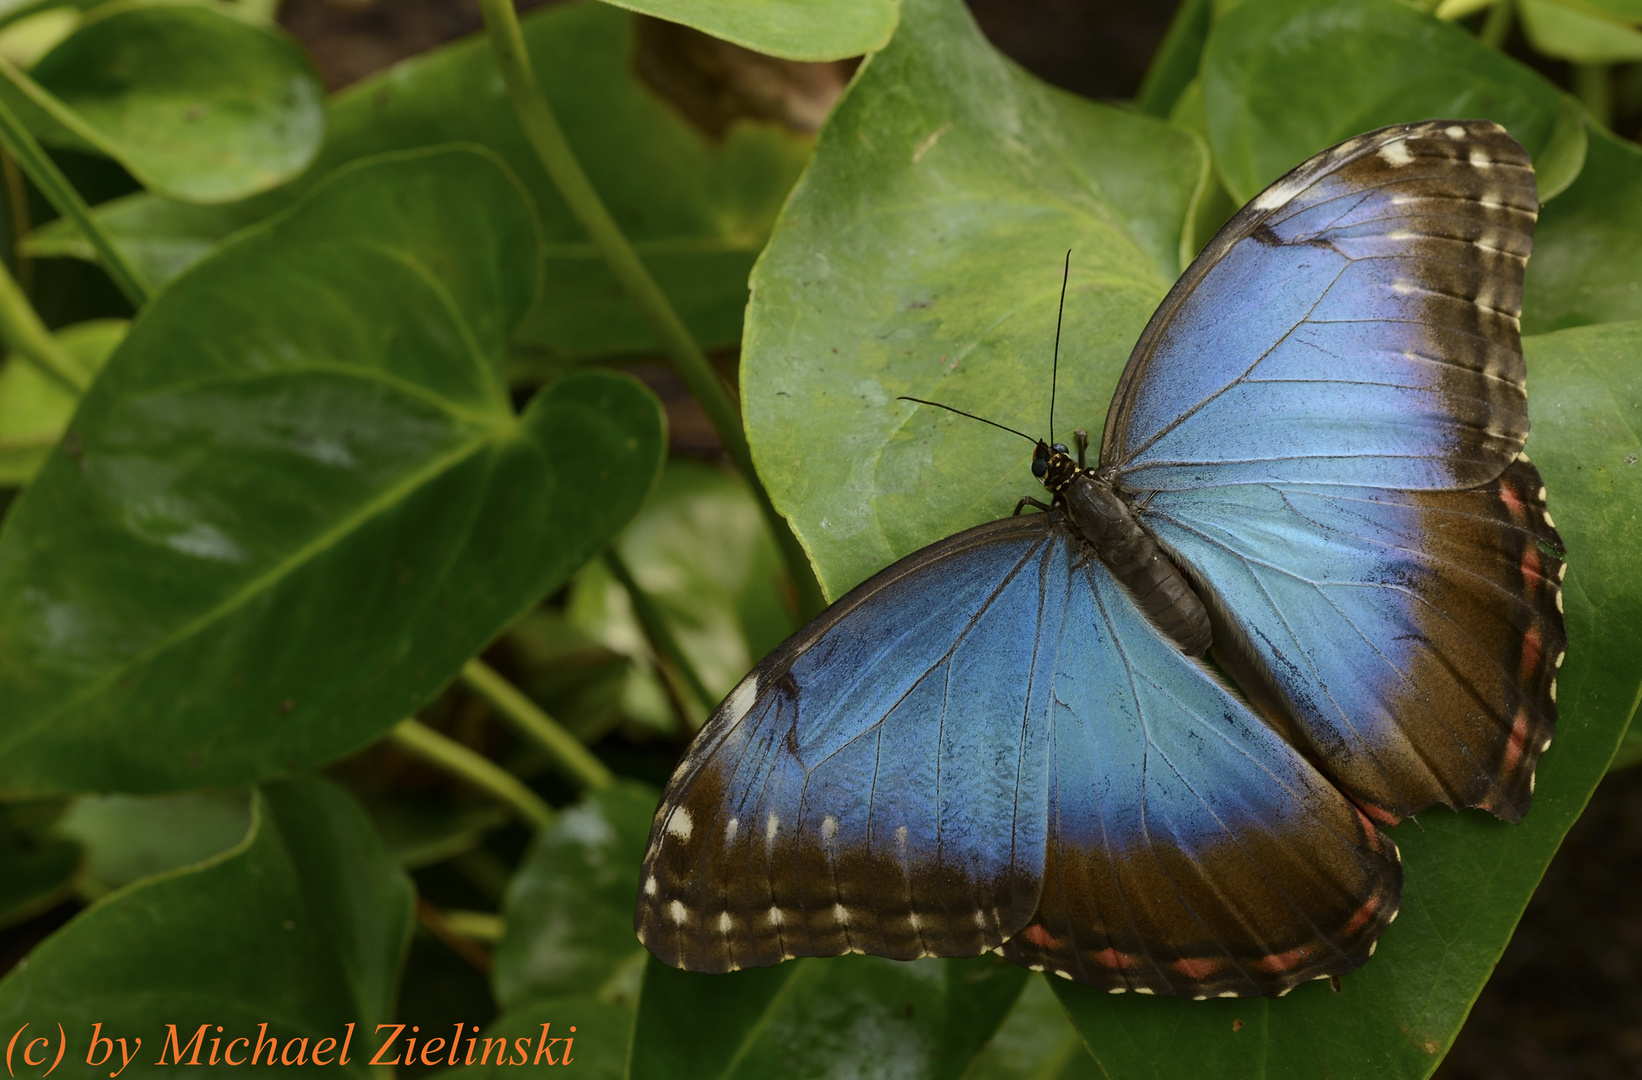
x=1355 y=324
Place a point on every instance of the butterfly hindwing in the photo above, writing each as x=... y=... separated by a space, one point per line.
x=1356 y=323
x=893 y=780
x=1190 y=850
x=1413 y=636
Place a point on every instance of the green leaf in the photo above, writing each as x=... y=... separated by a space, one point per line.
x=1568 y=33
x=196 y=104
x=1587 y=262
x=302 y=927
x=34 y=408
x=593 y=1033
x=697 y=208
x=1035 y=1042
x=1174 y=67
x=845 y=1016
x=1467 y=876
x=128 y=838
x=297 y=499
x=1286 y=78
x=921 y=255
x=795 y=29
x=569 y=909
x=422 y=831
x=701 y=550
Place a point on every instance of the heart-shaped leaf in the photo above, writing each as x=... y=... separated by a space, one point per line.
x=302 y=929
x=297 y=499
x=196 y=104
x=921 y=255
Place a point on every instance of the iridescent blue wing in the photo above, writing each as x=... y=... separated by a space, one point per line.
x=1413 y=637
x=987 y=746
x=1355 y=324
x=1318 y=423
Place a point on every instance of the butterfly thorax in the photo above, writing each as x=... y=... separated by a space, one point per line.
x=1103 y=519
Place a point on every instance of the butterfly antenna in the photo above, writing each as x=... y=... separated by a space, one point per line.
x=972 y=416
x=1054 y=371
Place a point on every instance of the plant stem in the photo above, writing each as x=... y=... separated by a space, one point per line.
x=576 y=761
x=61 y=194
x=1593 y=85
x=1497 y=26
x=656 y=629
x=17 y=202
x=27 y=337
x=541 y=127
x=448 y=754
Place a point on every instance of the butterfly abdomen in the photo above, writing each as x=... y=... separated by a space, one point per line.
x=1107 y=524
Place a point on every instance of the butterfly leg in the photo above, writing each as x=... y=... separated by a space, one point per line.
x=1027 y=500
x=1082 y=439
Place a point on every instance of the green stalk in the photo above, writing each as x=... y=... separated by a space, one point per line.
x=1497 y=26
x=574 y=760
x=657 y=630
x=1593 y=85
x=448 y=754
x=27 y=337
x=541 y=127
x=61 y=194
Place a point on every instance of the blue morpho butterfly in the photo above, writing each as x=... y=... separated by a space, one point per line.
x=1008 y=741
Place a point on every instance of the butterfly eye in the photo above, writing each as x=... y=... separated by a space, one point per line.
x=1040 y=466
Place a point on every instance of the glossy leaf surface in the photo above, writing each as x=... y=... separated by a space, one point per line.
x=921 y=255
x=846 y=1016
x=284 y=519
x=197 y=104
x=569 y=909
x=312 y=912
x=697 y=209
x=796 y=29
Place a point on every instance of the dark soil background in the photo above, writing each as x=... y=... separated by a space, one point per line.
x=1566 y=998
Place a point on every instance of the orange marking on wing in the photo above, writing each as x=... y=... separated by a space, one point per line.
x=1530 y=569
x=1359 y=920
x=1110 y=957
x=1277 y=963
x=1530 y=652
x=1196 y=969
x=1511 y=500
x=1518 y=740
x=1040 y=937
x=1383 y=817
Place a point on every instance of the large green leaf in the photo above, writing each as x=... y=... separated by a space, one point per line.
x=921 y=255
x=1035 y=1042
x=1467 y=876
x=1283 y=79
x=697 y=209
x=197 y=104
x=796 y=29
x=297 y=499
x=34 y=408
x=128 y=837
x=1587 y=264
x=847 y=1016
x=570 y=906
x=303 y=927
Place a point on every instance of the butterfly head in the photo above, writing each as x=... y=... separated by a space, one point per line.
x=1053 y=465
